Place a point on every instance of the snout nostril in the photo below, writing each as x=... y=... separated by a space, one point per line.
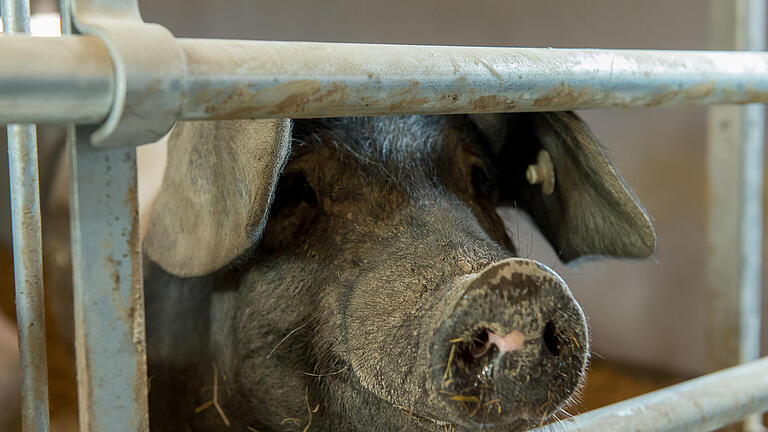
x=480 y=344
x=551 y=340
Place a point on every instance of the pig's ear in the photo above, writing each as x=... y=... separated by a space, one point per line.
x=218 y=186
x=552 y=166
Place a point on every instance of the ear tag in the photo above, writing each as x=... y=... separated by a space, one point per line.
x=542 y=172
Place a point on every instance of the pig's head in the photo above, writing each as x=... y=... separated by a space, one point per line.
x=382 y=291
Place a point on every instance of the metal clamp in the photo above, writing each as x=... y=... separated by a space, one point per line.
x=149 y=71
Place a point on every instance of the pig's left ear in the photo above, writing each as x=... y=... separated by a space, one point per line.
x=552 y=166
x=218 y=186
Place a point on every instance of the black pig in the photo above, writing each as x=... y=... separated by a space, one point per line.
x=382 y=291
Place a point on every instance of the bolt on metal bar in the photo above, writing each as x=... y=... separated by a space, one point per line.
x=735 y=165
x=705 y=403
x=27 y=251
x=226 y=79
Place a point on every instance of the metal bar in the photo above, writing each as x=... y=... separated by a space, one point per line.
x=108 y=291
x=15 y=15
x=705 y=403
x=27 y=251
x=735 y=166
x=28 y=275
x=54 y=80
x=240 y=79
x=252 y=79
x=110 y=346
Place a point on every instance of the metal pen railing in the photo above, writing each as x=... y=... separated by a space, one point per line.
x=701 y=404
x=121 y=95
x=27 y=249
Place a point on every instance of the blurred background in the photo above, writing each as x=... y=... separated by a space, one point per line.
x=647 y=318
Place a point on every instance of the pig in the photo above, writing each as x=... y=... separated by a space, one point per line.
x=352 y=274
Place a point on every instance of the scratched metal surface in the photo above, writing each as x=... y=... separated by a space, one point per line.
x=27 y=251
x=243 y=79
x=108 y=295
x=226 y=79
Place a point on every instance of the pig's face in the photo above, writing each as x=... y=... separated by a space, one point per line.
x=383 y=292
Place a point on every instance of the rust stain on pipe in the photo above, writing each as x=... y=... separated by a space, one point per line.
x=492 y=103
x=314 y=99
x=135 y=313
x=566 y=95
x=296 y=96
x=303 y=80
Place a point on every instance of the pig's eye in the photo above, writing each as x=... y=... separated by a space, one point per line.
x=481 y=183
x=292 y=190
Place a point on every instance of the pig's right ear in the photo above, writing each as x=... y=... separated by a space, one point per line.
x=552 y=166
x=218 y=186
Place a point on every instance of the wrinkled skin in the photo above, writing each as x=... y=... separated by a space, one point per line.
x=342 y=316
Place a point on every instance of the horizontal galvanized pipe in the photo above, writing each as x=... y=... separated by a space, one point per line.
x=705 y=403
x=54 y=80
x=69 y=79
x=243 y=79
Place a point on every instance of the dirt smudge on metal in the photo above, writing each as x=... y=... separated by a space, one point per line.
x=565 y=96
x=492 y=103
x=135 y=312
x=693 y=95
x=407 y=98
x=290 y=97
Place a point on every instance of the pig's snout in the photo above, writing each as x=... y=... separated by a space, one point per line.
x=511 y=346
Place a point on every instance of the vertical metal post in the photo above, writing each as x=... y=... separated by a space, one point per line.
x=108 y=283
x=108 y=296
x=735 y=164
x=27 y=251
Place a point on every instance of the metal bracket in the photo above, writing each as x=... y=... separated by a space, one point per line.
x=149 y=71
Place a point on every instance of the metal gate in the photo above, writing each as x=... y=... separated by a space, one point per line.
x=121 y=82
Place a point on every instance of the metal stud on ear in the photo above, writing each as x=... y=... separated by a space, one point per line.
x=542 y=172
